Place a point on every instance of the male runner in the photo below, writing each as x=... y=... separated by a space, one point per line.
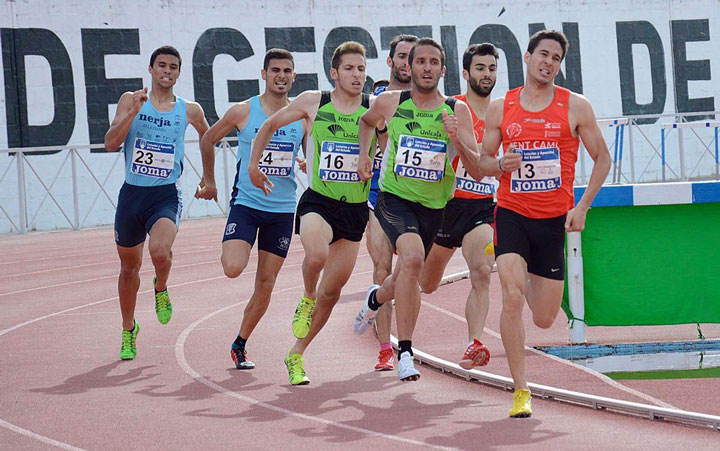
x=540 y=126
x=416 y=182
x=397 y=61
x=332 y=213
x=468 y=215
x=252 y=214
x=153 y=138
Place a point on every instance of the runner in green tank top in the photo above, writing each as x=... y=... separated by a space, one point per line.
x=425 y=129
x=333 y=211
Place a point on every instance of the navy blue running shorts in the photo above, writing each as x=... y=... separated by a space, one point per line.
x=272 y=230
x=139 y=208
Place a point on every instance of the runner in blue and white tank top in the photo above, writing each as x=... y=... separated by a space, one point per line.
x=152 y=127
x=269 y=219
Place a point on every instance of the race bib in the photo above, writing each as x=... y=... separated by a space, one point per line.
x=539 y=171
x=152 y=158
x=464 y=182
x=277 y=159
x=339 y=162
x=420 y=158
x=377 y=161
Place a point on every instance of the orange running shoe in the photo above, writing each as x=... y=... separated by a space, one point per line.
x=386 y=360
x=476 y=354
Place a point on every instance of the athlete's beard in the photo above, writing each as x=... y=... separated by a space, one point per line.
x=478 y=89
x=402 y=79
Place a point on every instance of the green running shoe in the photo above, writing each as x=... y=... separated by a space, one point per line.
x=303 y=317
x=163 y=307
x=294 y=364
x=128 y=350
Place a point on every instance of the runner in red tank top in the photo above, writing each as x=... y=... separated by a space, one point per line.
x=540 y=126
x=469 y=214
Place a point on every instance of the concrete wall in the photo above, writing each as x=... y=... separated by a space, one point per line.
x=65 y=64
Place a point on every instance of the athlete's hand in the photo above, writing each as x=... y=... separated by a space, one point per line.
x=259 y=179
x=139 y=98
x=365 y=167
x=575 y=220
x=302 y=164
x=511 y=160
x=450 y=124
x=205 y=190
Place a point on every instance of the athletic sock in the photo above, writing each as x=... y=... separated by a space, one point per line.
x=240 y=342
x=373 y=303
x=385 y=346
x=405 y=346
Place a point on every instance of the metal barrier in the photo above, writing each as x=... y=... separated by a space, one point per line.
x=76 y=188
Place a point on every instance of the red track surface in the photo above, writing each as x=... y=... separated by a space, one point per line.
x=61 y=382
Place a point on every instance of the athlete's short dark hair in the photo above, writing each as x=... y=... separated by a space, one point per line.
x=165 y=50
x=427 y=41
x=345 y=48
x=480 y=50
x=549 y=34
x=411 y=38
x=277 y=54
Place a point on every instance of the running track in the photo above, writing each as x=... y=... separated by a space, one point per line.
x=62 y=385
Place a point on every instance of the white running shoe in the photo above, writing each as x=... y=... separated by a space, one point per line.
x=366 y=315
x=406 y=368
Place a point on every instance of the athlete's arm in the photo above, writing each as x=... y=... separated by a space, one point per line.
x=302 y=162
x=592 y=138
x=235 y=117
x=459 y=128
x=492 y=139
x=304 y=106
x=127 y=108
x=381 y=109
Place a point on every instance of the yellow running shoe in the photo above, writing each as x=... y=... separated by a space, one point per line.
x=522 y=404
x=303 y=317
x=294 y=364
x=163 y=307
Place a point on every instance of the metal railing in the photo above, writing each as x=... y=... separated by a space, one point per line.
x=77 y=188
x=650 y=154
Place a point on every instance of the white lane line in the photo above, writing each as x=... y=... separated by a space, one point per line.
x=594 y=373
x=182 y=361
x=41 y=438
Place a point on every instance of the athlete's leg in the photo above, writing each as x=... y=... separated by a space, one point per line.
x=544 y=297
x=340 y=264
x=513 y=278
x=480 y=265
x=377 y=242
x=405 y=290
x=268 y=268
x=162 y=236
x=235 y=257
x=129 y=282
x=434 y=267
x=315 y=235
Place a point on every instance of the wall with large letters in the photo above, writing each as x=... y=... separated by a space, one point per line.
x=65 y=64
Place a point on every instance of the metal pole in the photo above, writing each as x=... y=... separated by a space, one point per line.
x=632 y=153
x=22 y=207
x=662 y=144
x=582 y=165
x=615 y=155
x=620 y=159
x=717 y=160
x=76 y=208
x=576 y=292
x=681 y=148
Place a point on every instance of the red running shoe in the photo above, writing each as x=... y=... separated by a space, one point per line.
x=386 y=360
x=476 y=354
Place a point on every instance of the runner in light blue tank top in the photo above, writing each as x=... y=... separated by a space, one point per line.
x=155 y=145
x=278 y=162
x=150 y=126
